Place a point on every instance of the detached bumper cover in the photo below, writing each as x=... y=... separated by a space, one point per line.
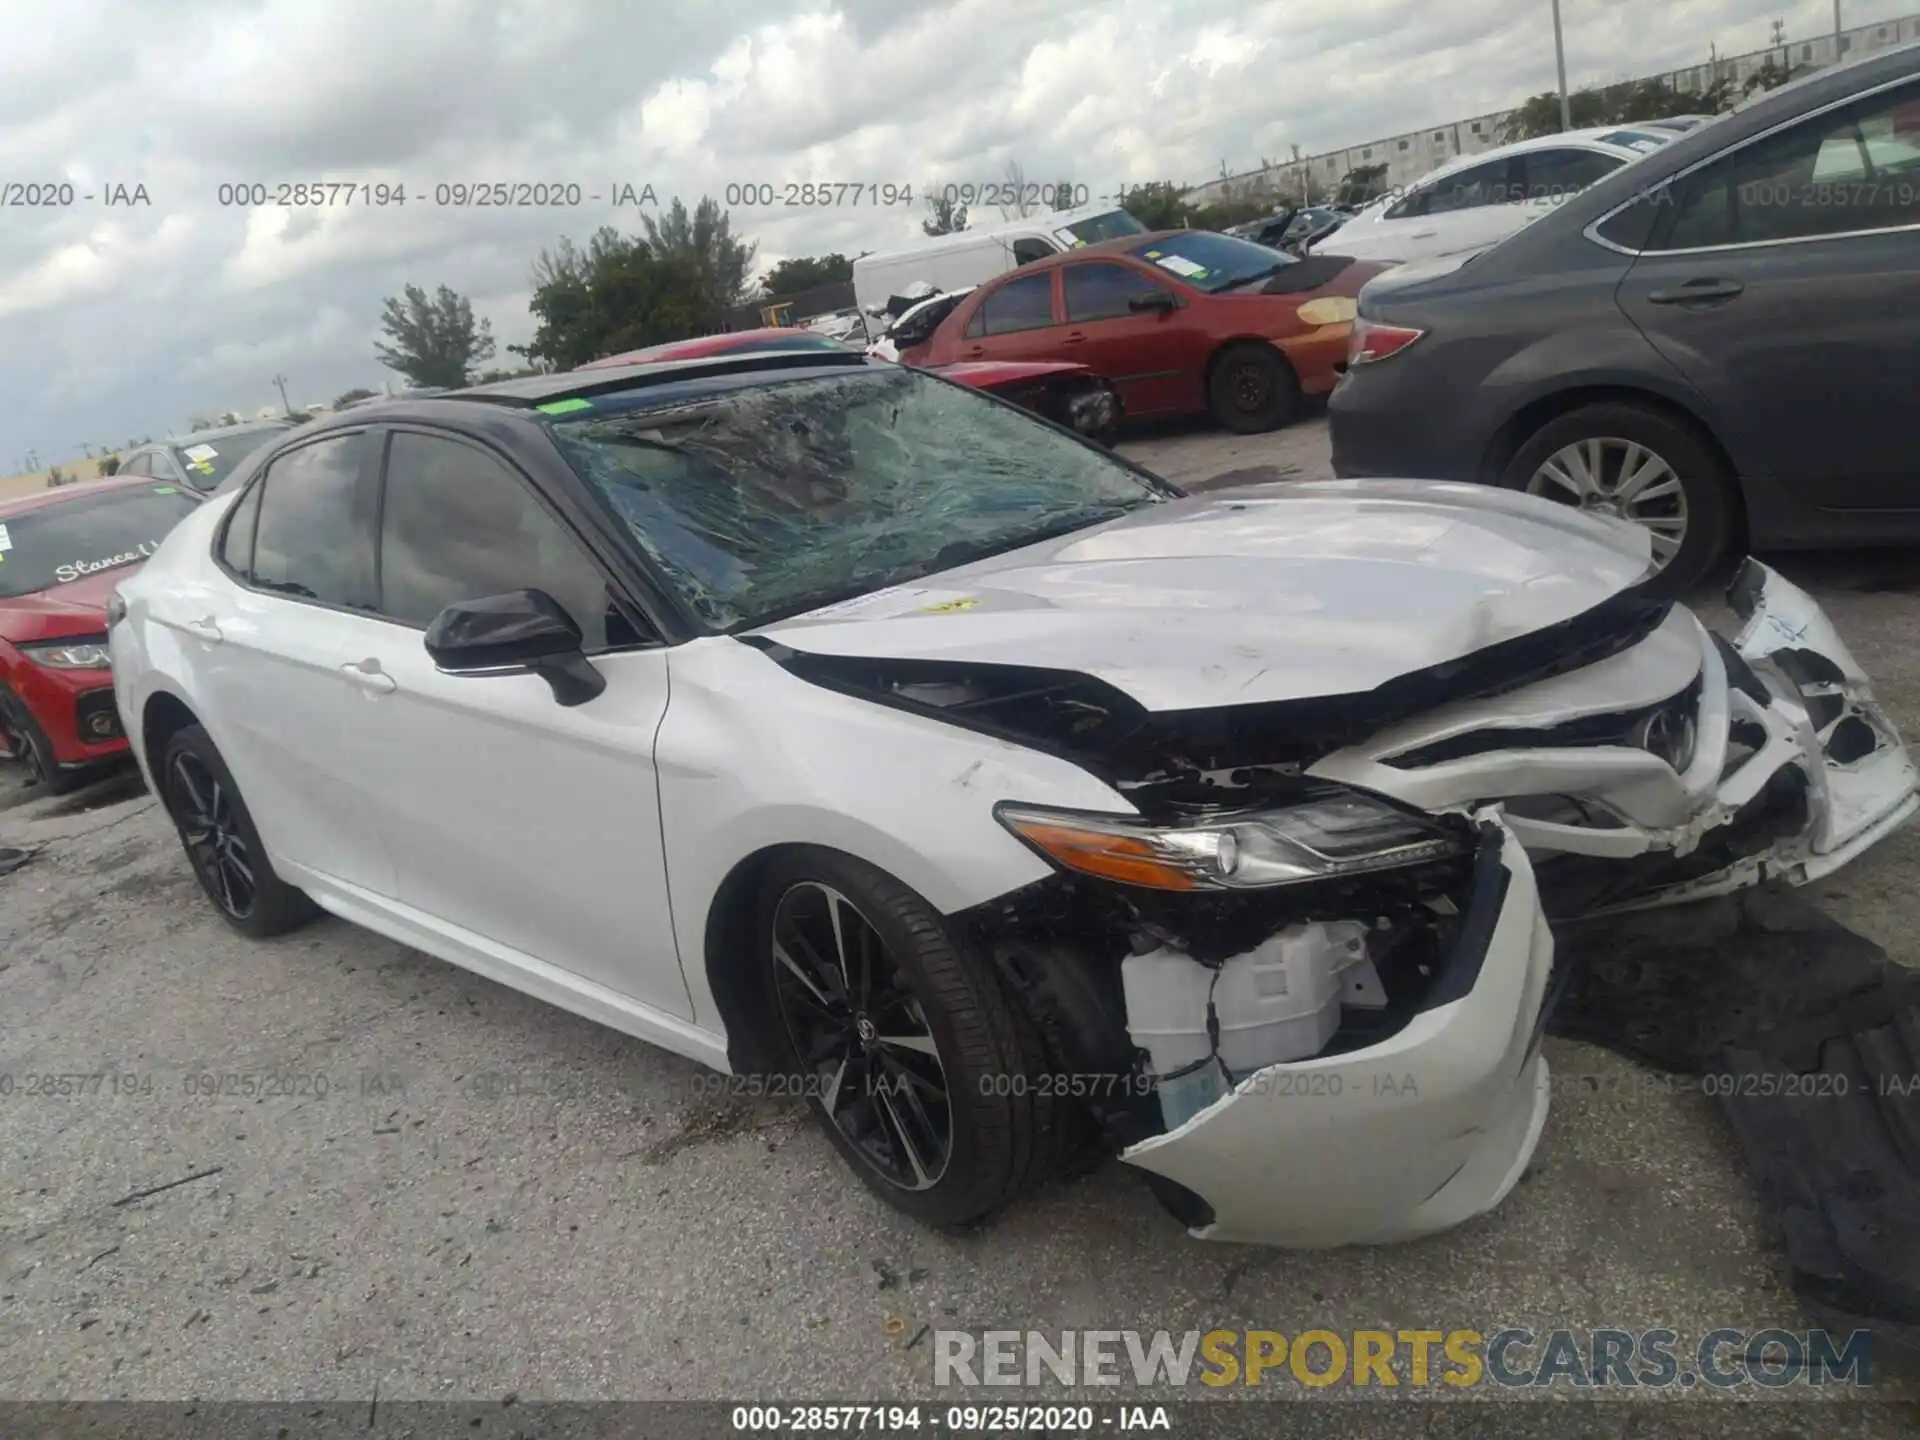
x=1411 y=1136
x=1789 y=768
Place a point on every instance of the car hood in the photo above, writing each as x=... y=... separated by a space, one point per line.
x=77 y=608
x=1267 y=593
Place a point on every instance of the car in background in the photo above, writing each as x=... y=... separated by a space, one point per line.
x=1718 y=346
x=1060 y=391
x=61 y=555
x=1293 y=230
x=1679 y=124
x=1178 y=321
x=975 y=255
x=916 y=321
x=204 y=458
x=1479 y=200
x=730 y=342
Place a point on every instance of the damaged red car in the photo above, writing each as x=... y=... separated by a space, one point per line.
x=1178 y=322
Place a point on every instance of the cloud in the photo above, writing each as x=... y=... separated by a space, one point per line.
x=126 y=321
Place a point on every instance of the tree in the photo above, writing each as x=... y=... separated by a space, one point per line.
x=1770 y=76
x=945 y=215
x=347 y=397
x=109 y=465
x=57 y=477
x=1059 y=195
x=803 y=272
x=433 y=341
x=704 y=243
x=1629 y=103
x=491 y=377
x=1013 y=186
x=1158 y=205
x=615 y=294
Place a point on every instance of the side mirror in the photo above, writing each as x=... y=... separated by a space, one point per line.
x=522 y=630
x=1149 y=301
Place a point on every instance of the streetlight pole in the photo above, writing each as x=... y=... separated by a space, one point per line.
x=1560 y=58
x=280 y=382
x=1836 y=32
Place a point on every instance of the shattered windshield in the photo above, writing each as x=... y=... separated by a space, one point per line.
x=770 y=499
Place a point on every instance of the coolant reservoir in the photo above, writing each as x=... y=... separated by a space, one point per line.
x=1277 y=1002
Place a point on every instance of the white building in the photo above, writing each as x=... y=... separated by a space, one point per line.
x=1416 y=153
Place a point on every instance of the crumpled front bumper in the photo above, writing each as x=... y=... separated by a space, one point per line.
x=1794 y=769
x=1416 y=1134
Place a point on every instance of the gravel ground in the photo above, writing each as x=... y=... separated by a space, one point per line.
x=468 y=1194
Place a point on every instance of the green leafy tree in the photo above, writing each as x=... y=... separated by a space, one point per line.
x=1158 y=205
x=1629 y=103
x=1770 y=76
x=347 y=397
x=432 y=341
x=803 y=272
x=492 y=377
x=109 y=465
x=703 y=242
x=945 y=215
x=612 y=295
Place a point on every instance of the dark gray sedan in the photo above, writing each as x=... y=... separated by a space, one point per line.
x=1719 y=342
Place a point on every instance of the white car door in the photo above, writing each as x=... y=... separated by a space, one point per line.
x=530 y=825
x=266 y=642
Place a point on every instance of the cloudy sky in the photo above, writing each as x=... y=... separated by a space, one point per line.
x=120 y=322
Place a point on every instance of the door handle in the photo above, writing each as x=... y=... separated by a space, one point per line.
x=976 y=350
x=1695 y=291
x=369 y=676
x=1074 y=337
x=206 y=628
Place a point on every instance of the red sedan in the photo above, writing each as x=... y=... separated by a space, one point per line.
x=62 y=552
x=1177 y=321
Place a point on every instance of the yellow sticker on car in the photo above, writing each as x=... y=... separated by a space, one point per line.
x=947 y=607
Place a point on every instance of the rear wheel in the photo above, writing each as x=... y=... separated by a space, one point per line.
x=902 y=1041
x=221 y=840
x=1250 y=389
x=1639 y=465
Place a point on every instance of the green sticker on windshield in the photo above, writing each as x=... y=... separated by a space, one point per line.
x=564 y=407
x=166 y=489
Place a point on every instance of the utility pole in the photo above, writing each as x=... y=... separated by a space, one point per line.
x=280 y=383
x=1560 y=59
x=1837 y=42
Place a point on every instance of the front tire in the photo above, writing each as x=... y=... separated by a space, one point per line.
x=221 y=841
x=1645 y=467
x=33 y=750
x=902 y=1040
x=1250 y=389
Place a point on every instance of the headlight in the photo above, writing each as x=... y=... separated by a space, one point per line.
x=70 y=654
x=1330 y=835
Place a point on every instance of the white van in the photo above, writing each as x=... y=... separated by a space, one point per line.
x=973 y=257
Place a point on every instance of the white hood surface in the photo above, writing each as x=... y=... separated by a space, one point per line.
x=1276 y=592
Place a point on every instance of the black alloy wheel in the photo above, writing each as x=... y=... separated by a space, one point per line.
x=856 y=1027
x=210 y=829
x=221 y=840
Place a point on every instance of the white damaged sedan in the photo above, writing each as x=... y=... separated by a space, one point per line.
x=831 y=723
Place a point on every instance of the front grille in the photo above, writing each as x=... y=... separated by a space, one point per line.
x=1617 y=727
x=96 y=717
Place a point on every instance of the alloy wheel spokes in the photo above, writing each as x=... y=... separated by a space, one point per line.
x=210 y=830
x=855 y=1027
x=1623 y=478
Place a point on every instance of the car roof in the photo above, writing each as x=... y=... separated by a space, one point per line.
x=60 y=494
x=197 y=437
x=1121 y=245
x=526 y=393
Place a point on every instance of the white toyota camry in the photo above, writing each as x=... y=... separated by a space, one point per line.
x=807 y=715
